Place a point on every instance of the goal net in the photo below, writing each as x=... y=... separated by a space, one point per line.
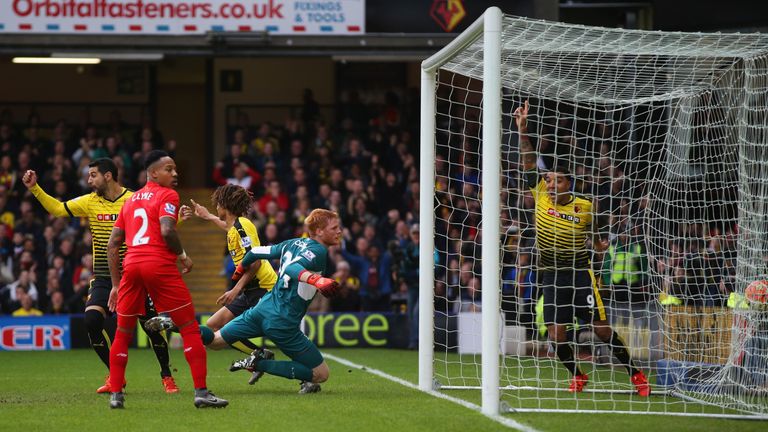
x=665 y=138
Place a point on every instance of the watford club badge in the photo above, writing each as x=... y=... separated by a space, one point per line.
x=448 y=13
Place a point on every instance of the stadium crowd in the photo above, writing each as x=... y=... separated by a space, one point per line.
x=363 y=167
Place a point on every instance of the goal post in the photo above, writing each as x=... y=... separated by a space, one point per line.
x=666 y=138
x=488 y=27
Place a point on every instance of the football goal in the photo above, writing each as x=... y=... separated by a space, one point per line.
x=662 y=139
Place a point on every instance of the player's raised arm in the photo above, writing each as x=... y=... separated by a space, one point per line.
x=49 y=203
x=203 y=213
x=116 y=240
x=527 y=152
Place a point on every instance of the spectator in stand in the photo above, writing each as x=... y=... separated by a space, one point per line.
x=348 y=298
x=24 y=285
x=336 y=202
x=26 y=307
x=57 y=305
x=86 y=149
x=81 y=277
x=242 y=175
x=137 y=160
x=361 y=213
x=23 y=162
x=409 y=273
x=6 y=260
x=8 y=175
x=389 y=193
x=225 y=168
x=274 y=194
x=299 y=179
x=264 y=137
x=7 y=215
x=374 y=271
x=267 y=156
x=29 y=223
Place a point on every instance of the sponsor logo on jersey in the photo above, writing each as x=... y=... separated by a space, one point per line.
x=106 y=217
x=557 y=214
x=170 y=208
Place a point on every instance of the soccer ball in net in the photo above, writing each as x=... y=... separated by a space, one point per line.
x=757 y=292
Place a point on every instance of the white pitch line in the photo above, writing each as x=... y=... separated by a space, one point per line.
x=497 y=418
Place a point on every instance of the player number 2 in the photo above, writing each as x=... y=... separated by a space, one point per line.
x=139 y=238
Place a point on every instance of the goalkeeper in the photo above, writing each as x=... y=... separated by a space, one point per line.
x=279 y=313
x=563 y=221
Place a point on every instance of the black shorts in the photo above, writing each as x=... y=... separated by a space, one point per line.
x=246 y=300
x=98 y=295
x=569 y=294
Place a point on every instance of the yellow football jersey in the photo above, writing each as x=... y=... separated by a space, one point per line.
x=561 y=230
x=102 y=214
x=240 y=239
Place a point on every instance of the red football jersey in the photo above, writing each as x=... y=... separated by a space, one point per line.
x=140 y=219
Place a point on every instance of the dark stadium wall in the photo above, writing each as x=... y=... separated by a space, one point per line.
x=65 y=83
x=271 y=89
x=181 y=115
x=710 y=15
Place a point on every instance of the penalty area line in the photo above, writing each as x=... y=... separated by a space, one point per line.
x=497 y=418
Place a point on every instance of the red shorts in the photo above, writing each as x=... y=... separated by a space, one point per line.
x=162 y=282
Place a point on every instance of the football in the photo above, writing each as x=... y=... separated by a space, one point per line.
x=757 y=292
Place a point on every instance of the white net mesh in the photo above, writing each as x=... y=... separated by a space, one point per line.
x=665 y=135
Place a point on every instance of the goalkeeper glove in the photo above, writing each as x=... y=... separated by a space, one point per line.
x=239 y=270
x=327 y=287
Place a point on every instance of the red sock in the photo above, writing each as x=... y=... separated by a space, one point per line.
x=118 y=354
x=194 y=351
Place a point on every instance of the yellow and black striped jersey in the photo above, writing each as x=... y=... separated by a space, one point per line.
x=561 y=230
x=101 y=213
x=240 y=239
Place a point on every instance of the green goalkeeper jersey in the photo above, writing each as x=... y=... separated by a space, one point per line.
x=287 y=303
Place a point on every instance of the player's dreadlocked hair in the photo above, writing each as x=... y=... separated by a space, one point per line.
x=235 y=199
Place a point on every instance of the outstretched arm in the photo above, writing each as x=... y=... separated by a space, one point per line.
x=527 y=152
x=260 y=252
x=49 y=203
x=203 y=213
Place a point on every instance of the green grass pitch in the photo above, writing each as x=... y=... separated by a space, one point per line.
x=55 y=391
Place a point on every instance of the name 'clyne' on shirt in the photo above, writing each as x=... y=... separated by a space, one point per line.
x=142 y=196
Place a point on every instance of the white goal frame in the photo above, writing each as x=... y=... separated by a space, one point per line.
x=489 y=26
